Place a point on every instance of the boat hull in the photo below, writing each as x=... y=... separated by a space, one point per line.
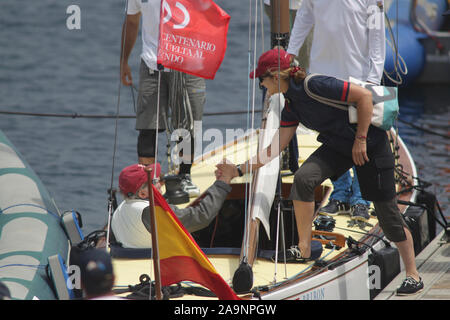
x=30 y=228
x=346 y=275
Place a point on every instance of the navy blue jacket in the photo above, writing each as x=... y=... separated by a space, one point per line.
x=332 y=124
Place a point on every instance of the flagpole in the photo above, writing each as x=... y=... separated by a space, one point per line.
x=155 y=251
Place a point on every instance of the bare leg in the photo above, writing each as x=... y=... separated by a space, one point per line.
x=406 y=249
x=304 y=212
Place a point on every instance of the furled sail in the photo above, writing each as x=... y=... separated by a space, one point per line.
x=266 y=181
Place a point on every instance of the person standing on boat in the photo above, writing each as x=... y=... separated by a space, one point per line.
x=303 y=53
x=343 y=146
x=130 y=222
x=148 y=85
x=349 y=41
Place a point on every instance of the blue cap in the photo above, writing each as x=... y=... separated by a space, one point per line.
x=95 y=266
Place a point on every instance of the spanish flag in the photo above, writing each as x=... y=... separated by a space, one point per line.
x=180 y=256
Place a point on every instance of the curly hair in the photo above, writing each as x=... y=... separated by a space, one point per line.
x=298 y=73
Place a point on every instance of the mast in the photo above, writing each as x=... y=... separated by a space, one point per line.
x=280 y=30
x=279 y=24
x=243 y=277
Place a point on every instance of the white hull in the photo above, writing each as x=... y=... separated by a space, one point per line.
x=350 y=281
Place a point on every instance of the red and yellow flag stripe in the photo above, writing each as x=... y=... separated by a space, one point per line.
x=181 y=258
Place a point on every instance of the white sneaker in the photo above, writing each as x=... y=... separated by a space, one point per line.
x=188 y=186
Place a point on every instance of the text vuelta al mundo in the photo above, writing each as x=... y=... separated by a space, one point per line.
x=178 y=47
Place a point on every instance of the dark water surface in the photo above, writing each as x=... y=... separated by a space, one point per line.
x=46 y=68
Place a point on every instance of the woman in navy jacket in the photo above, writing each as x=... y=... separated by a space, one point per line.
x=343 y=145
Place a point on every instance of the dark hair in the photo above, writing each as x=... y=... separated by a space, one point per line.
x=99 y=287
x=97 y=276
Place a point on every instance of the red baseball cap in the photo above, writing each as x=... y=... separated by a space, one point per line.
x=268 y=61
x=133 y=177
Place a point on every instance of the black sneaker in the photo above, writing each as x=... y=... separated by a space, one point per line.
x=188 y=186
x=410 y=286
x=360 y=212
x=335 y=207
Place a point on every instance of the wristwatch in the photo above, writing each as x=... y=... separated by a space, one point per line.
x=238 y=167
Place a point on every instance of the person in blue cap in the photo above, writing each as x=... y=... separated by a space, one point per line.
x=97 y=275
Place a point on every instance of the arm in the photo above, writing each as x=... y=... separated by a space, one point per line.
x=279 y=142
x=364 y=106
x=202 y=211
x=304 y=21
x=200 y=216
x=130 y=31
x=377 y=41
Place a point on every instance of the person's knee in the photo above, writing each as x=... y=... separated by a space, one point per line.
x=304 y=185
x=390 y=220
x=310 y=175
x=394 y=233
x=146 y=143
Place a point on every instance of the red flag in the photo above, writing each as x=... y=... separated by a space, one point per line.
x=192 y=36
x=180 y=257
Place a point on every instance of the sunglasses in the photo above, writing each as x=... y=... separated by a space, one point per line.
x=261 y=79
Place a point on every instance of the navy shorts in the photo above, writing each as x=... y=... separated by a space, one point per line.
x=376 y=180
x=376 y=177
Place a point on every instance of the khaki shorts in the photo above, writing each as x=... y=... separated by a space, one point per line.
x=148 y=97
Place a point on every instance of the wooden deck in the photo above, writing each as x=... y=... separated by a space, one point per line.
x=434 y=267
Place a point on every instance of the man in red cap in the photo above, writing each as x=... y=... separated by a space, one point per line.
x=130 y=223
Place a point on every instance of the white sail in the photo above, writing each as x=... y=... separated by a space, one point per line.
x=266 y=182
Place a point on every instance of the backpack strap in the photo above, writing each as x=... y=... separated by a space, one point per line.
x=331 y=102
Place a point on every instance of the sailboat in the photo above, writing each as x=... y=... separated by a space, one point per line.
x=355 y=260
x=244 y=239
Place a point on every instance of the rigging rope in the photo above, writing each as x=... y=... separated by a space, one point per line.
x=396 y=56
x=107 y=116
x=252 y=133
x=214 y=114
x=249 y=68
x=110 y=199
x=279 y=158
x=178 y=114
